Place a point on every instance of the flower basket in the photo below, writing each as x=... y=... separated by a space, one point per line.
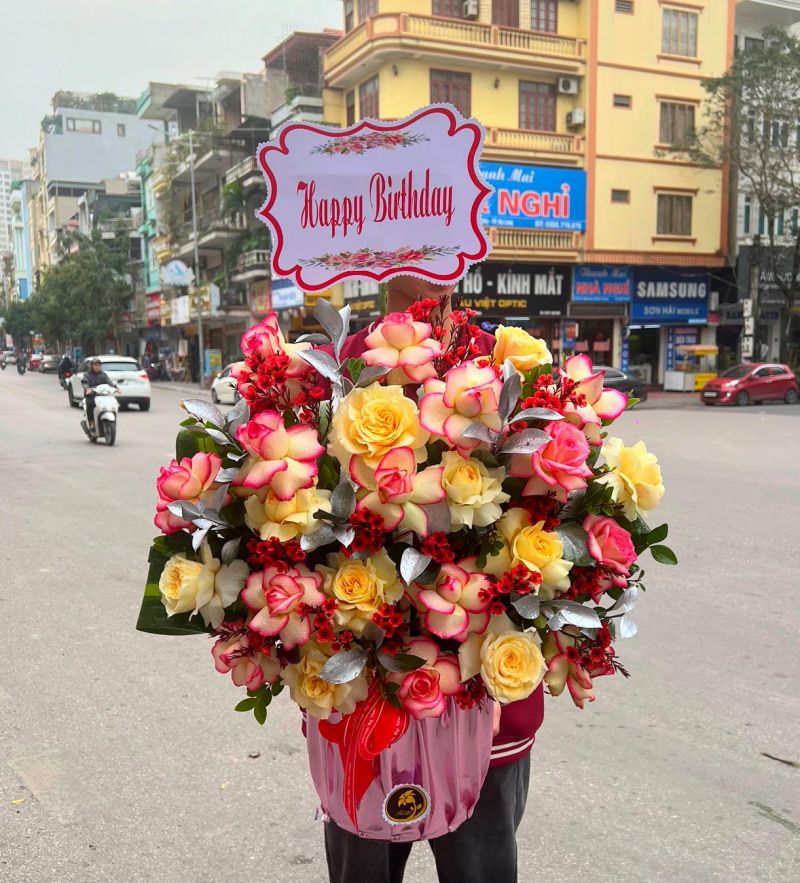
x=422 y=786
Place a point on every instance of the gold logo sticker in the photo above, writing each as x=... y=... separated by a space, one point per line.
x=406 y=804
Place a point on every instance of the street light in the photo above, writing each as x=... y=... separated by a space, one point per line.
x=200 y=347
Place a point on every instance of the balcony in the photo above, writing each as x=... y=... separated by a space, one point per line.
x=755 y=15
x=252 y=265
x=392 y=35
x=137 y=219
x=307 y=108
x=247 y=172
x=162 y=249
x=160 y=184
x=555 y=147
x=209 y=163
x=519 y=244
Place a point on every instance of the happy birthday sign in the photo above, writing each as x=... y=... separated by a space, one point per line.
x=376 y=199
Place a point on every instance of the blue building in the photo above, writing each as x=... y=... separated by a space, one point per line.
x=20 y=238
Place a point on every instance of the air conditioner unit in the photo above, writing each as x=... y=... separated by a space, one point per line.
x=568 y=85
x=576 y=118
x=470 y=8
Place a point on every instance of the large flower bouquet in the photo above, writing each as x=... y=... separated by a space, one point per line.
x=441 y=520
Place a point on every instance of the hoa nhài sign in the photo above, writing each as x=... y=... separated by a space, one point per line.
x=376 y=200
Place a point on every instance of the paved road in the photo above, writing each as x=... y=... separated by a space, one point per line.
x=121 y=758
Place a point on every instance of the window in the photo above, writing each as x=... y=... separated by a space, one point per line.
x=350 y=107
x=621 y=196
x=679 y=33
x=348 y=15
x=97 y=127
x=448 y=8
x=748 y=214
x=544 y=16
x=623 y=101
x=674 y=215
x=537 y=106
x=121 y=130
x=368 y=98
x=505 y=13
x=751 y=43
x=452 y=87
x=84 y=126
x=624 y=6
x=366 y=9
x=677 y=122
x=762 y=372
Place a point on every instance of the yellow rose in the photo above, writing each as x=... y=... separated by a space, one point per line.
x=287 y=519
x=474 y=493
x=509 y=661
x=635 y=477
x=538 y=549
x=204 y=587
x=318 y=696
x=525 y=351
x=360 y=587
x=372 y=421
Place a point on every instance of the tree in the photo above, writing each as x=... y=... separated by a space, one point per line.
x=83 y=296
x=18 y=318
x=752 y=124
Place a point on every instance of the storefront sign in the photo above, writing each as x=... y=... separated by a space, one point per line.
x=365 y=306
x=180 y=309
x=286 y=295
x=679 y=337
x=260 y=298
x=600 y=284
x=376 y=200
x=670 y=297
x=536 y=197
x=153 y=310
x=508 y=291
x=176 y=273
x=569 y=334
x=213 y=361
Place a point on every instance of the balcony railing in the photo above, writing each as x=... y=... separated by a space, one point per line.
x=533 y=142
x=160 y=183
x=137 y=218
x=241 y=170
x=416 y=28
x=258 y=259
x=507 y=239
x=162 y=248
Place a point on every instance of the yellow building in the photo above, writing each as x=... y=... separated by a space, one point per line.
x=594 y=88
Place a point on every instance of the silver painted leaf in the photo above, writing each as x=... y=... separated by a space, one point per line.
x=372 y=373
x=328 y=316
x=400 y=662
x=186 y=510
x=536 y=414
x=198 y=536
x=314 y=338
x=238 y=415
x=438 y=515
x=622 y=628
x=344 y=533
x=322 y=537
x=525 y=442
x=321 y=362
x=230 y=550
x=229 y=474
x=527 y=606
x=412 y=564
x=571 y=613
x=509 y=370
x=480 y=431
x=509 y=397
x=343 y=498
x=574 y=539
x=373 y=633
x=344 y=667
x=217 y=435
x=344 y=313
x=205 y=412
x=625 y=603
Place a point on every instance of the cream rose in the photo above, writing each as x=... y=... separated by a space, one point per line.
x=372 y=421
x=311 y=691
x=205 y=587
x=635 y=477
x=474 y=492
x=523 y=350
x=360 y=587
x=288 y=519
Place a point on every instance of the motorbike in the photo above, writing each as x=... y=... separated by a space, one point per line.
x=21 y=367
x=106 y=407
x=63 y=379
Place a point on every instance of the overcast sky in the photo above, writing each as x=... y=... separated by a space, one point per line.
x=120 y=45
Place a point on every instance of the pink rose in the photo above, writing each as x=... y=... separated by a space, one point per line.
x=610 y=545
x=457 y=605
x=405 y=346
x=274 y=597
x=186 y=480
x=249 y=665
x=263 y=339
x=601 y=403
x=424 y=692
x=559 y=466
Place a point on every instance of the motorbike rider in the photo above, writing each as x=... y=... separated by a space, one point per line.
x=67 y=366
x=90 y=380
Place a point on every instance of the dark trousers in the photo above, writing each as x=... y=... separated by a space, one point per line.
x=482 y=850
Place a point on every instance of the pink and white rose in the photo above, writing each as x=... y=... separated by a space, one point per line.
x=559 y=466
x=453 y=607
x=610 y=545
x=601 y=404
x=187 y=479
x=405 y=346
x=275 y=597
x=248 y=665
x=424 y=692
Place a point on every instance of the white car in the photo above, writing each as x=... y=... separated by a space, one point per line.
x=134 y=384
x=223 y=389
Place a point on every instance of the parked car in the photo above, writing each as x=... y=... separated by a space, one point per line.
x=49 y=362
x=34 y=360
x=133 y=381
x=8 y=357
x=223 y=389
x=755 y=382
x=627 y=383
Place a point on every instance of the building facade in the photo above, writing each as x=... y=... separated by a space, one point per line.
x=20 y=239
x=10 y=171
x=579 y=98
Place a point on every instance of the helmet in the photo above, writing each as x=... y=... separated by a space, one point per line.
x=96 y=362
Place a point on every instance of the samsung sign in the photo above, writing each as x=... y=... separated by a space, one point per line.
x=670 y=297
x=534 y=197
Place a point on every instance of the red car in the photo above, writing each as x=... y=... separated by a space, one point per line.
x=754 y=382
x=34 y=360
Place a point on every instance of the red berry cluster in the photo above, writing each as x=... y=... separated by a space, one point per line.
x=438 y=547
x=471 y=693
x=389 y=618
x=274 y=553
x=307 y=403
x=519 y=579
x=595 y=655
x=422 y=310
x=369 y=530
x=542 y=509
x=587 y=582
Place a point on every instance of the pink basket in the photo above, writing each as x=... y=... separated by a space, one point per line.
x=425 y=784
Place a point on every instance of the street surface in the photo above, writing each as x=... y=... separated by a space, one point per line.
x=121 y=758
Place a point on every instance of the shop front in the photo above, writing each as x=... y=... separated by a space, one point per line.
x=669 y=308
x=530 y=296
x=601 y=296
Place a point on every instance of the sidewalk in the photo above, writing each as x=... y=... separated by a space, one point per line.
x=674 y=400
x=184 y=390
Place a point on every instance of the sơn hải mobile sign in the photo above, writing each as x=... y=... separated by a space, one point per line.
x=376 y=199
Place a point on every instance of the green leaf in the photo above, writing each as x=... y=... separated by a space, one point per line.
x=324 y=418
x=400 y=662
x=277 y=688
x=355 y=367
x=260 y=713
x=246 y=705
x=658 y=534
x=663 y=554
x=633 y=402
x=329 y=471
x=188 y=443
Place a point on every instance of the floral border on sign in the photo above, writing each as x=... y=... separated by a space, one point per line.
x=365 y=258
x=360 y=144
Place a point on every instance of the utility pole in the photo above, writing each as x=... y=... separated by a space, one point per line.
x=200 y=347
